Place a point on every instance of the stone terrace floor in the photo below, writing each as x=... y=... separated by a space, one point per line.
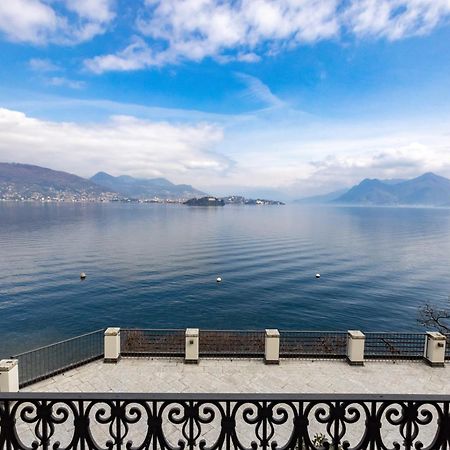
x=249 y=376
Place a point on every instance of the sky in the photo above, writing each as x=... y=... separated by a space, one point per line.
x=284 y=98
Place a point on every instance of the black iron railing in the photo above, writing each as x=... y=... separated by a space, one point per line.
x=146 y=342
x=44 y=362
x=31 y=421
x=447 y=347
x=313 y=344
x=231 y=343
x=394 y=346
x=47 y=361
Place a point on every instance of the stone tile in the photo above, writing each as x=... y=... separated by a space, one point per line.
x=249 y=375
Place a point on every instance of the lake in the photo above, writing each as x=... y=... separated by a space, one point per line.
x=155 y=266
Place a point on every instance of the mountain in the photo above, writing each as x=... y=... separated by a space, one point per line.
x=321 y=199
x=25 y=181
x=427 y=190
x=145 y=188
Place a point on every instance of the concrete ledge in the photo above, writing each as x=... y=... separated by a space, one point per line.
x=272 y=362
x=111 y=360
x=434 y=364
x=354 y=363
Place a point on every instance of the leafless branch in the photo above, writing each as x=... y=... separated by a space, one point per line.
x=433 y=317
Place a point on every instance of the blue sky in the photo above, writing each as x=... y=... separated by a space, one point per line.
x=275 y=97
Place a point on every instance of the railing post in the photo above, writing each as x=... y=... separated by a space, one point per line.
x=192 y=344
x=112 y=345
x=435 y=349
x=355 y=347
x=272 y=347
x=9 y=375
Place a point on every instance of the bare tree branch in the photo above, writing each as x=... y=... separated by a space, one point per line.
x=433 y=317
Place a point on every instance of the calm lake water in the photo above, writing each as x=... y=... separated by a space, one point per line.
x=155 y=266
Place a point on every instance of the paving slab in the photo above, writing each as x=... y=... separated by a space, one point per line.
x=250 y=376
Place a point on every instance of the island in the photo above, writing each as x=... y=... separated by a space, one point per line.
x=230 y=200
x=240 y=200
x=205 y=201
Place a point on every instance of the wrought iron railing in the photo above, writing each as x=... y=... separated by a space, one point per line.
x=144 y=342
x=44 y=362
x=394 y=345
x=313 y=344
x=231 y=343
x=31 y=421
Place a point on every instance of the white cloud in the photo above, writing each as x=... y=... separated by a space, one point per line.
x=94 y=10
x=194 y=30
x=136 y=56
x=263 y=152
x=62 y=22
x=43 y=65
x=124 y=145
x=27 y=20
x=245 y=30
x=257 y=90
x=344 y=164
x=66 y=82
x=395 y=19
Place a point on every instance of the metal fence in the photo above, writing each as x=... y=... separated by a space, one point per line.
x=223 y=421
x=229 y=343
x=395 y=345
x=313 y=344
x=44 y=362
x=447 y=347
x=152 y=342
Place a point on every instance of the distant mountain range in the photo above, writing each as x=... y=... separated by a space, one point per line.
x=145 y=188
x=427 y=190
x=29 y=182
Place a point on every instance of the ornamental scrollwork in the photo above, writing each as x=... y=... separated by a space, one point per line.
x=128 y=422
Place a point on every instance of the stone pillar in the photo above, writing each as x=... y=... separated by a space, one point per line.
x=9 y=375
x=355 y=347
x=272 y=347
x=112 y=345
x=435 y=349
x=191 y=347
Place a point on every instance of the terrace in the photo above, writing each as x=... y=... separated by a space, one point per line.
x=231 y=389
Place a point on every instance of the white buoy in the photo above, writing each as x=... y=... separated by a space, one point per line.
x=82 y=275
x=317 y=275
x=218 y=279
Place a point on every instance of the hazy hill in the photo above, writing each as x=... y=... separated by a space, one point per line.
x=427 y=190
x=25 y=180
x=145 y=188
x=321 y=199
